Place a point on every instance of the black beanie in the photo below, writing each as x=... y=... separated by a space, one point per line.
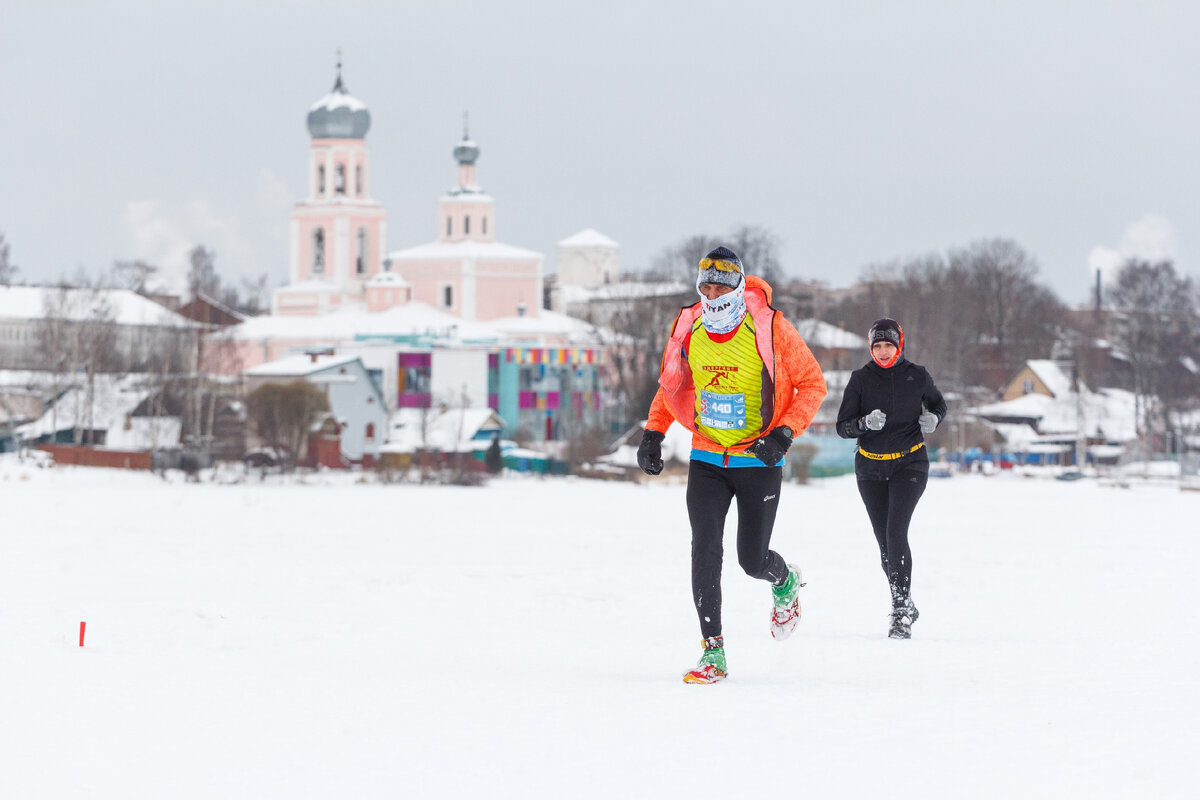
x=885 y=330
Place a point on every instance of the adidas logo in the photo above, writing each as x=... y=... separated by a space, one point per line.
x=909 y=378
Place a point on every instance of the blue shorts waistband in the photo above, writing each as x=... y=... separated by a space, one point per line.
x=736 y=460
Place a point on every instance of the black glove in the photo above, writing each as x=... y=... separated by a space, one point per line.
x=650 y=452
x=770 y=449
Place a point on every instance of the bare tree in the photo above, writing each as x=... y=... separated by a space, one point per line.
x=220 y=355
x=8 y=270
x=78 y=335
x=283 y=414
x=1016 y=317
x=255 y=298
x=133 y=275
x=756 y=246
x=203 y=281
x=52 y=346
x=202 y=276
x=1157 y=333
x=95 y=335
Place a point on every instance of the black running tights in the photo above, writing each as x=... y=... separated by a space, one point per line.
x=890 y=505
x=709 y=492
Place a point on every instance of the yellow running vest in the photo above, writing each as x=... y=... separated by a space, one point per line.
x=728 y=377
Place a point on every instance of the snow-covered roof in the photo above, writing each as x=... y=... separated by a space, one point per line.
x=22 y=378
x=124 y=306
x=320 y=207
x=589 y=237
x=112 y=397
x=550 y=324
x=466 y=194
x=452 y=430
x=144 y=433
x=822 y=334
x=304 y=287
x=466 y=248
x=354 y=320
x=625 y=290
x=298 y=365
x=217 y=304
x=546 y=322
x=1050 y=374
x=1031 y=406
x=335 y=100
x=414 y=319
x=390 y=279
x=1016 y=435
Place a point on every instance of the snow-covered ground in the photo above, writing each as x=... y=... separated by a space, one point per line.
x=526 y=640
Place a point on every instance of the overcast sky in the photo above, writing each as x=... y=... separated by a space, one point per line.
x=856 y=132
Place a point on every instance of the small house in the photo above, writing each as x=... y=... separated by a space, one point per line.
x=355 y=399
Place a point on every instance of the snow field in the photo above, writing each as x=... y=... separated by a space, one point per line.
x=527 y=639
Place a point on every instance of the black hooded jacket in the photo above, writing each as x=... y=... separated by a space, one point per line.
x=898 y=391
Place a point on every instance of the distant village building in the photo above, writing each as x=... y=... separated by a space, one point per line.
x=210 y=312
x=588 y=284
x=604 y=305
x=110 y=412
x=137 y=324
x=588 y=259
x=1039 y=376
x=1046 y=412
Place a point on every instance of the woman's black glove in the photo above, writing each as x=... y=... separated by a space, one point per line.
x=649 y=453
x=771 y=448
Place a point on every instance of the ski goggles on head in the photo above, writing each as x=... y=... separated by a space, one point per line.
x=719 y=264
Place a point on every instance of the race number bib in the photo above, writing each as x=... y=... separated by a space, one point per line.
x=723 y=411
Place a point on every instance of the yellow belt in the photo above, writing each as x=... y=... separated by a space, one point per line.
x=890 y=456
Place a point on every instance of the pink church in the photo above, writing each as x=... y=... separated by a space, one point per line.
x=339 y=236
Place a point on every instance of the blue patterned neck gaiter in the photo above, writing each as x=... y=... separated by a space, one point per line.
x=726 y=312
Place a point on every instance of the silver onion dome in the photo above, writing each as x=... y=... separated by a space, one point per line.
x=467 y=151
x=339 y=114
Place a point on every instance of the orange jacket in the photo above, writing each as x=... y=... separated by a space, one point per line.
x=799 y=385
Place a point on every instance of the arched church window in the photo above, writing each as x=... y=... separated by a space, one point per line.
x=358 y=183
x=485 y=226
x=318 y=259
x=449 y=223
x=360 y=260
x=447 y=297
x=321 y=179
x=339 y=185
x=467 y=225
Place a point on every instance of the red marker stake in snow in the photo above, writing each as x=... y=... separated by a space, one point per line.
x=82 y=628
